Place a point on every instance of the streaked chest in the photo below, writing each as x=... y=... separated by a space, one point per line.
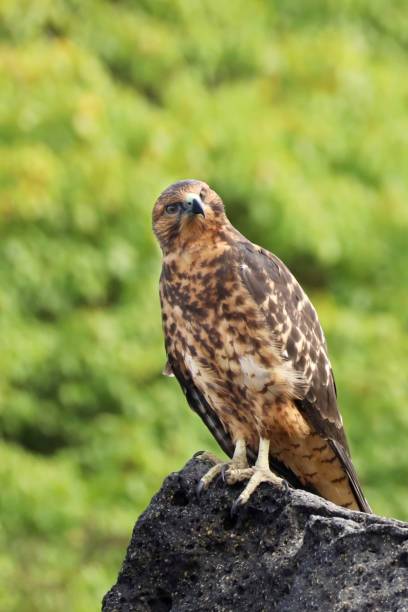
x=211 y=323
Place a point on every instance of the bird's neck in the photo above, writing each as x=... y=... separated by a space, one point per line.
x=193 y=255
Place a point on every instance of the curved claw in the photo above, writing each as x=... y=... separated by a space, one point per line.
x=200 y=488
x=286 y=490
x=223 y=472
x=235 y=508
x=286 y=486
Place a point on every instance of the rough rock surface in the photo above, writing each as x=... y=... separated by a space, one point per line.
x=287 y=551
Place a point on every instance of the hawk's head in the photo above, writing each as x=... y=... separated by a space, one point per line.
x=186 y=211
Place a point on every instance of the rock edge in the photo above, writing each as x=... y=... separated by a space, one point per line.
x=287 y=551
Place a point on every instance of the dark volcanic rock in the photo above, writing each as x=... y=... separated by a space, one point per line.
x=288 y=551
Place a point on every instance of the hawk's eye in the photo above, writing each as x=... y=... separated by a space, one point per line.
x=171 y=209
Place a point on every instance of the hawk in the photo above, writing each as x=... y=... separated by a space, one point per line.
x=244 y=342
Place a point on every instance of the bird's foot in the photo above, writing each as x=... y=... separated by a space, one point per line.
x=231 y=471
x=257 y=476
x=237 y=470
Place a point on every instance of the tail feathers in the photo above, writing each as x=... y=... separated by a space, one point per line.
x=352 y=476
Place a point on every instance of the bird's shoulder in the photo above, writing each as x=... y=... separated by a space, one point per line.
x=275 y=289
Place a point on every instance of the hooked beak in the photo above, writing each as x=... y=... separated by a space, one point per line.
x=193 y=205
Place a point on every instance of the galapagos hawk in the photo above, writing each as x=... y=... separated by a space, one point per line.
x=246 y=346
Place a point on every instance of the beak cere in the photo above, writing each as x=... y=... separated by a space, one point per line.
x=193 y=205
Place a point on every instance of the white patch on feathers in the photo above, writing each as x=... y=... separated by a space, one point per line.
x=255 y=377
x=280 y=380
x=191 y=365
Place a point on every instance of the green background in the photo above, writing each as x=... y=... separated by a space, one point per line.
x=297 y=114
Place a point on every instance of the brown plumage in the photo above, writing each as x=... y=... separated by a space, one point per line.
x=246 y=346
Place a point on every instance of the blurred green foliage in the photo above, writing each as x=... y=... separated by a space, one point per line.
x=296 y=112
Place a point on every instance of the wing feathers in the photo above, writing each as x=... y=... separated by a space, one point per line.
x=352 y=476
x=289 y=312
